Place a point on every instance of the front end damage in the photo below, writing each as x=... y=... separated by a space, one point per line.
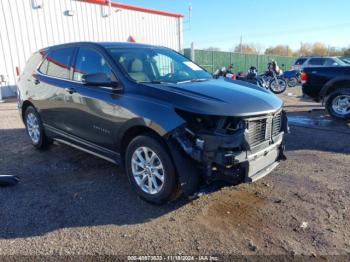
x=236 y=150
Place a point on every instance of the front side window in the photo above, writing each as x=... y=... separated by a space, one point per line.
x=57 y=63
x=157 y=65
x=89 y=61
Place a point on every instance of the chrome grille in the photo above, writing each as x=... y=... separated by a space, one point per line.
x=263 y=128
x=276 y=124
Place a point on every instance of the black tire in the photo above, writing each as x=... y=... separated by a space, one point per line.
x=169 y=187
x=292 y=82
x=43 y=142
x=278 y=91
x=331 y=99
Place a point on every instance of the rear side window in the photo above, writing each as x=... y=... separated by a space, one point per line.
x=300 y=61
x=316 y=61
x=89 y=61
x=57 y=63
x=33 y=62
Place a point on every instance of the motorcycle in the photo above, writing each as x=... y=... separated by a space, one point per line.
x=274 y=78
x=292 y=77
x=268 y=80
x=223 y=71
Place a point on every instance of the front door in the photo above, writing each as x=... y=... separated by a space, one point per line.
x=93 y=110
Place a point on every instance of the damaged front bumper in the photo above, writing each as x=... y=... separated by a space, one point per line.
x=231 y=157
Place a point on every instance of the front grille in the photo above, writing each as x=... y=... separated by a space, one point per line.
x=256 y=131
x=263 y=129
x=277 y=124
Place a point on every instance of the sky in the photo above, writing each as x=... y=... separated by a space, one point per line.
x=262 y=22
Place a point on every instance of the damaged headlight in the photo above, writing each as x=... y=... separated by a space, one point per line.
x=213 y=124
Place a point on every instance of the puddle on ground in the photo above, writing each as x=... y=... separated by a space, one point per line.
x=310 y=121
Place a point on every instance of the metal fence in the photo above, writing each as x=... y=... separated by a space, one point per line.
x=212 y=60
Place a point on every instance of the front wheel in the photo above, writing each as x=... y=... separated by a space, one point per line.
x=150 y=170
x=278 y=86
x=338 y=104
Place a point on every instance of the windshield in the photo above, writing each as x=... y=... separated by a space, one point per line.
x=157 y=65
x=340 y=62
x=346 y=60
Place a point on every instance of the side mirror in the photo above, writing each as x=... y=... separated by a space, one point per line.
x=99 y=79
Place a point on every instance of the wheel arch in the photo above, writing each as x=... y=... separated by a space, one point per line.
x=330 y=86
x=24 y=107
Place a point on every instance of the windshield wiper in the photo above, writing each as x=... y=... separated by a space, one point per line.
x=193 y=80
x=152 y=82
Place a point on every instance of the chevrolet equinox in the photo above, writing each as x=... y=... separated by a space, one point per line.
x=161 y=117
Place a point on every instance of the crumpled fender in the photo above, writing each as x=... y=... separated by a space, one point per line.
x=188 y=176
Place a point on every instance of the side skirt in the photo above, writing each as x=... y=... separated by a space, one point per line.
x=82 y=145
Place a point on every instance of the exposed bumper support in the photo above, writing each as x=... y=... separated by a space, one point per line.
x=217 y=156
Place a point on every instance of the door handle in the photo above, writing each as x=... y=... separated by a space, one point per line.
x=36 y=82
x=70 y=90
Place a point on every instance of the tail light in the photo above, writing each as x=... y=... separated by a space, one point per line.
x=303 y=77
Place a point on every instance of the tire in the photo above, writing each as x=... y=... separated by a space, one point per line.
x=338 y=103
x=35 y=129
x=282 y=86
x=155 y=181
x=292 y=82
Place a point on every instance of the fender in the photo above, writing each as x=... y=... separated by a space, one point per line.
x=331 y=83
x=163 y=121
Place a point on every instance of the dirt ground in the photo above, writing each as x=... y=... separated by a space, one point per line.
x=69 y=202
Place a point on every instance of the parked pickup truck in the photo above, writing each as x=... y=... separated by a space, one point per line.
x=331 y=85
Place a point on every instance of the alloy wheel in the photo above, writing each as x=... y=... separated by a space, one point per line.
x=33 y=127
x=341 y=105
x=147 y=170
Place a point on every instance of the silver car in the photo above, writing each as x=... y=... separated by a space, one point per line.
x=318 y=61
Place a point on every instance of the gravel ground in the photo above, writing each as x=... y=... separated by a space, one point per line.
x=69 y=202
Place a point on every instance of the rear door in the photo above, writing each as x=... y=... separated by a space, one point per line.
x=52 y=79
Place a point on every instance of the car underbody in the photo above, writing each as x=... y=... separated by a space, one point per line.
x=229 y=149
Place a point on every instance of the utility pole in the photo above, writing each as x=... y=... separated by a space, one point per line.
x=240 y=44
x=189 y=14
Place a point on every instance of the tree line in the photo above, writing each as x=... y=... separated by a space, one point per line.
x=306 y=49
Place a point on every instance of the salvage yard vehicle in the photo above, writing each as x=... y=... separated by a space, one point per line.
x=154 y=112
x=316 y=61
x=331 y=85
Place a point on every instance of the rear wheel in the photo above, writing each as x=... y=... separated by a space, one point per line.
x=150 y=170
x=35 y=129
x=292 y=82
x=338 y=104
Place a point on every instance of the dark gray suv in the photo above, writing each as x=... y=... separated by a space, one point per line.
x=154 y=112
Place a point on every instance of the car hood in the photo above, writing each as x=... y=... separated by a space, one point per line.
x=217 y=97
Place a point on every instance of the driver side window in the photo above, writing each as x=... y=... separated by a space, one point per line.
x=90 y=61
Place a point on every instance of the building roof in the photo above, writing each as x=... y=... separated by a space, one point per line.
x=133 y=7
